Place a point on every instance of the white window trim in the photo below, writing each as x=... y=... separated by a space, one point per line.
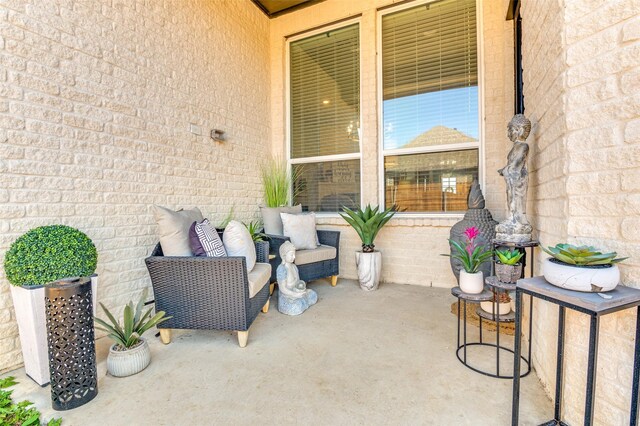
x=287 y=102
x=382 y=152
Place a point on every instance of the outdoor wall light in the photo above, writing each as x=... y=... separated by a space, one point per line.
x=218 y=135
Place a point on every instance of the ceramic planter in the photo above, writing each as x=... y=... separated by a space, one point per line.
x=29 y=306
x=369 y=269
x=471 y=283
x=594 y=279
x=128 y=362
x=503 y=308
x=508 y=273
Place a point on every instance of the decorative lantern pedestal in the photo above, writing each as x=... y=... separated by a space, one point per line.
x=70 y=337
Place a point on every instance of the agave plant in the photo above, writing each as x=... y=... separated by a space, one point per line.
x=254 y=227
x=367 y=223
x=509 y=257
x=582 y=255
x=134 y=324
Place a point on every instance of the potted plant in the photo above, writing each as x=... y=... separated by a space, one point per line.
x=40 y=256
x=277 y=182
x=504 y=304
x=508 y=267
x=471 y=255
x=582 y=268
x=367 y=223
x=130 y=353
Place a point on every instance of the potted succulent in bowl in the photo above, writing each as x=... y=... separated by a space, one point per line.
x=504 y=304
x=40 y=256
x=367 y=223
x=130 y=353
x=581 y=268
x=471 y=255
x=508 y=267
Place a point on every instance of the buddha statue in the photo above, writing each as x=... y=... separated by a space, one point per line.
x=293 y=296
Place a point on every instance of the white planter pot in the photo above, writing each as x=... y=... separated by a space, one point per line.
x=471 y=283
x=369 y=269
x=129 y=362
x=587 y=279
x=29 y=305
x=503 y=308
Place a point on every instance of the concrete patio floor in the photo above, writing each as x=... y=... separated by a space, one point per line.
x=385 y=357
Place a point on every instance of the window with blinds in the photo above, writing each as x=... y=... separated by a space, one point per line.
x=430 y=105
x=324 y=85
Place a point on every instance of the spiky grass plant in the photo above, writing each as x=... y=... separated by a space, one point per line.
x=277 y=182
x=582 y=255
x=368 y=223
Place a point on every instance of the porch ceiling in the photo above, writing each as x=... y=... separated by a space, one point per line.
x=273 y=8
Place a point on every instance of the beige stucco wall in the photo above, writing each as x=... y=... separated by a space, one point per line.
x=410 y=246
x=581 y=92
x=96 y=99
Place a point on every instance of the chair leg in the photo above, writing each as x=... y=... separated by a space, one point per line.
x=265 y=308
x=334 y=280
x=243 y=336
x=165 y=335
x=272 y=287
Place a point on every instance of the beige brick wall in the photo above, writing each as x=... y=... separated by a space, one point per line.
x=410 y=246
x=95 y=104
x=581 y=91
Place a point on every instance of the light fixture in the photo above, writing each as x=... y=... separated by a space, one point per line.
x=326 y=101
x=218 y=135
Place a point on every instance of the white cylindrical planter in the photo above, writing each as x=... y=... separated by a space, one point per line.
x=471 y=283
x=503 y=308
x=129 y=362
x=29 y=306
x=581 y=278
x=369 y=269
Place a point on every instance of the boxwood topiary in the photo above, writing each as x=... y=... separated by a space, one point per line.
x=49 y=253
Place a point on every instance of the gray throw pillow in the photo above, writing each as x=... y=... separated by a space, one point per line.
x=271 y=218
x=301 y=229
x=173 y=229
x=237 y=242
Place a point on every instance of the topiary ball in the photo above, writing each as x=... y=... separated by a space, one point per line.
x=50 y=253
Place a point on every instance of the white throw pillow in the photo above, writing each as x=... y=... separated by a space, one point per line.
x=237 y=241
x=301 y=229
x=173 y=229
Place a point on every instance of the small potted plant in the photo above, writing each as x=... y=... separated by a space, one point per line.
x=367 y=223
x=40 y=256
x=130 y=353
x=508 y=267
x=504 y=304
x=582 y=268
x=471 y=255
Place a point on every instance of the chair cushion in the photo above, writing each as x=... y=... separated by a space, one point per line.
x=173 y=229
x=301 y=229
x=322 y=252
x=237 y=241
x=205 y=241
x=258 y=278
x=271 y=218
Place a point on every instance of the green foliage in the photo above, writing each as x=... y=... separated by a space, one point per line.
x=509 y=257
x=582 y=255
x=254 y=228
x=18 y=413
x=50 y=253
x=228 y=218
x=471 y=259
x=134 y=324
x=277 y=182
x=367 y=223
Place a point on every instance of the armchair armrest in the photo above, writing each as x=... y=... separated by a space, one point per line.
x=275 y=241
x=329 y=238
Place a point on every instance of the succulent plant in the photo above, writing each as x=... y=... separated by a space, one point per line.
x=255 y=230
x=509 y=257
x=367 y=223
x=582 y=255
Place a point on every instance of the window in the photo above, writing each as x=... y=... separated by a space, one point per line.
x=324 y=119
x=430 y=131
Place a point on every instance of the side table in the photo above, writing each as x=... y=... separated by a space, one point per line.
x=588 y=303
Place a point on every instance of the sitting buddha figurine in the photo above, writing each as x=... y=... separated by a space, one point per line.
x=293 y=296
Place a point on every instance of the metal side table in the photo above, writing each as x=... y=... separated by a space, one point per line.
x=588 y=303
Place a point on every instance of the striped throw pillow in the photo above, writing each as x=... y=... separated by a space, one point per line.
x=208 y=238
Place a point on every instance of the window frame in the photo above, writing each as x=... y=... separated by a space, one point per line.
x=382 y=152
x=287 y=113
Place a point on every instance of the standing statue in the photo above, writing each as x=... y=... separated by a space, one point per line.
x=293 y=296
x=516 y=228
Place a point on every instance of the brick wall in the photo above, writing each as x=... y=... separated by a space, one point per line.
x=96 y=99
x=404 y=240
x=581 y=90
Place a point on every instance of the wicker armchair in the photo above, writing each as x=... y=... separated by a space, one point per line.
x=310 y=271
x=207 y=293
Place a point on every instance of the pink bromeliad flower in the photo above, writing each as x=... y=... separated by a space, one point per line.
x=471 y=233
